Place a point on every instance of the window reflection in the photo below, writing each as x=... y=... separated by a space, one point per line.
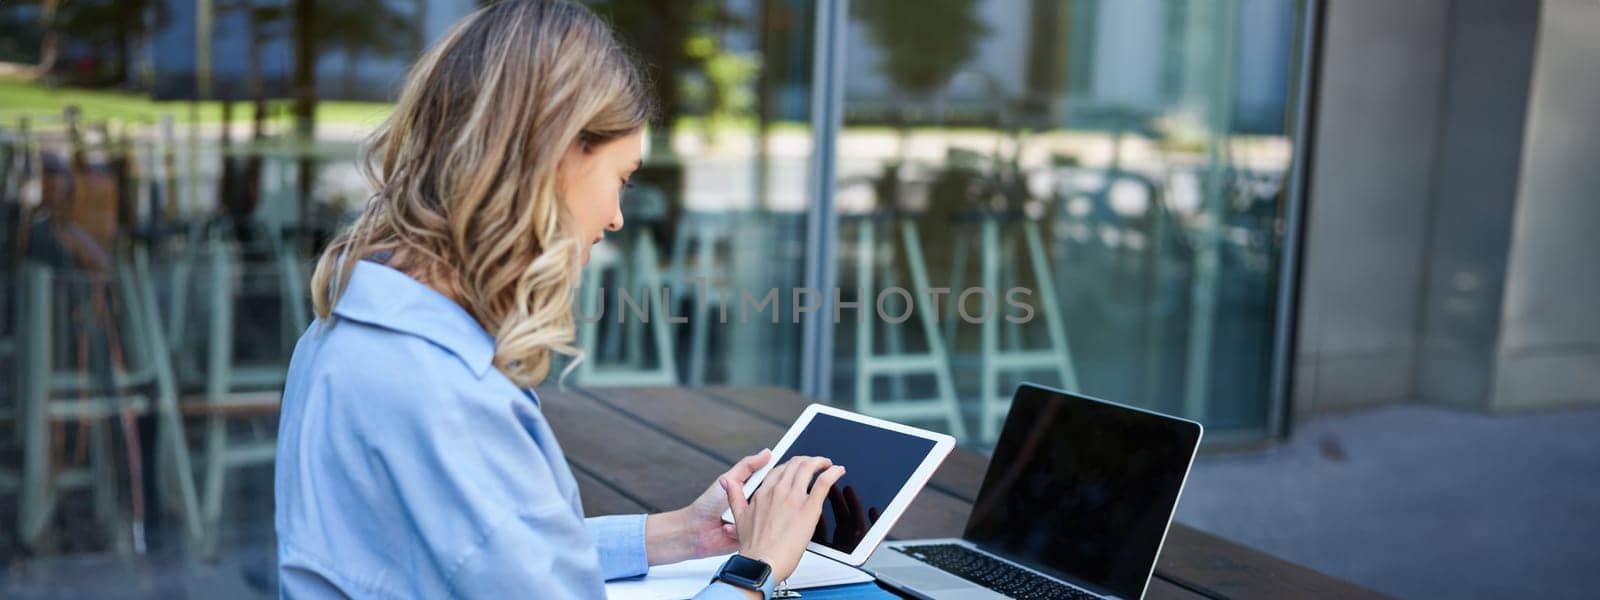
x=168 y=169
x=1122 y=160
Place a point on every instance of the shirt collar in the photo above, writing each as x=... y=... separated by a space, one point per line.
x=381 y=296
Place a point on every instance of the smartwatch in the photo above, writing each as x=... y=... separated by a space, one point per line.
x=747 y=573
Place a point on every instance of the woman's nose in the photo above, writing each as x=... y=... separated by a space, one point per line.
x=616 y=221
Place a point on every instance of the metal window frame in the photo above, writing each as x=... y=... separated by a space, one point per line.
x=822 y=223
x=1308 y=72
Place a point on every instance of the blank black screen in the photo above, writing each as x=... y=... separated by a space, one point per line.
x=1082 y=489
x=877 y=463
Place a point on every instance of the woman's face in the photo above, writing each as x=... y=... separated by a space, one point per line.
x=591 y=181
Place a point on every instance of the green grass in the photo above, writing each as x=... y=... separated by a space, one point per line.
x=20 y=97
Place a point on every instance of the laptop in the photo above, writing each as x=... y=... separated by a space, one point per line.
x=1075 y=504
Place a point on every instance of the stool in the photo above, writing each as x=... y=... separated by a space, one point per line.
x=896 y=362
x=38 y=383
x=702 y=232
x=997 y=272
x=644 y=268
x=223 y=400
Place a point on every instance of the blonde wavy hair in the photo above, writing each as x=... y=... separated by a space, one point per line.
x=464 y=172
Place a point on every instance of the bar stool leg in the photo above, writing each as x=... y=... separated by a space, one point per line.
x=173 y=444
x=650 y=267
x=215 y=482
x=958 y=277
x=219 y=371
x=103 y=484
x=699 y=331
x=589 y=320
x=294 y=293
x=994 y=406
x=865 y=244
x=930 y=329
x=1019 y=358
x=631 y=373
x=1055 y=325
x=896 y=363
x=36 y=498
x=1202 y=314
x=893 y=336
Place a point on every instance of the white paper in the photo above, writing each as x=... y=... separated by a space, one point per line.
x=685 y=579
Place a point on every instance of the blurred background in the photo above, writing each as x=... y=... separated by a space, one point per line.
x=1353 y=239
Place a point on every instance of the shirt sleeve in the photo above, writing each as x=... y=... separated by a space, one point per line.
x=619 y=539
x=620 y=542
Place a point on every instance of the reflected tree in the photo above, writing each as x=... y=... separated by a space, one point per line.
x=924 y=42
x=120 y=26
x=678 y=43
x=359 y=28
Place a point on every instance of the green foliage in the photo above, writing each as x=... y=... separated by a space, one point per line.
x=722 y=88
x=924 y=42
x=679 y=42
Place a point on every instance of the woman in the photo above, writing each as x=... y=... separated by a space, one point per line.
x=412 y=459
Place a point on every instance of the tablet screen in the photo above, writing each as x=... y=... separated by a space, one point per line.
x=877 y=464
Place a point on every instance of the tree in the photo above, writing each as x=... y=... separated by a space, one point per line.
x=665 y=33
x=120 y=25
x=366 y=27
x=924 y=42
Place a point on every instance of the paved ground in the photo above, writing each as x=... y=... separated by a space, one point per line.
x=1411 y=501
x=1420 y=502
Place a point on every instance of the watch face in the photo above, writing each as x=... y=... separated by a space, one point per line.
x=747 y=572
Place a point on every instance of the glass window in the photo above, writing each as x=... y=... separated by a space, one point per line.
x=716 y=218
x=212 y=157
x=1078 y=193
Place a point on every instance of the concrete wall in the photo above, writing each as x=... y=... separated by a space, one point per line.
x=1549 y=351
x=1382 y=68
x=1481 y=117
x=1453 y=243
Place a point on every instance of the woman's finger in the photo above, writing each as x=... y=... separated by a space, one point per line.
x=824 y=483
x=822 y=464
x=784 y=481
x=807 y=472
x=747 y=466
x=771 y=482
x=735 y=493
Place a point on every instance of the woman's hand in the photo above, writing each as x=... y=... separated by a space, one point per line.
x=697 y=530
x=777 y=522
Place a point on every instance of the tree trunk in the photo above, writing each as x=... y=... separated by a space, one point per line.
x=667 y=52
x=305 y=108
x=50 y=42
x=349 y=75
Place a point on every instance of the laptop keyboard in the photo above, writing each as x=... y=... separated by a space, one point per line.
x=996 y=575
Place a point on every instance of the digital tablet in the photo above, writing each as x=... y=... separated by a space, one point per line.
x=886 y=464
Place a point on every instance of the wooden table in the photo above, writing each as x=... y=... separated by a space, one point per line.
x=654 y=449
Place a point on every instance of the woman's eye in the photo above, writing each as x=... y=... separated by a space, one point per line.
x=627 y=184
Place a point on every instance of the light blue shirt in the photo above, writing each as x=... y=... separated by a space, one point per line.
x=409 y=467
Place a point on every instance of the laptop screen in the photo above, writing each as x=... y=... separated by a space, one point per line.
x=1082 y=489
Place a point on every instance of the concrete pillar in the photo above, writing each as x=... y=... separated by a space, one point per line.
x=1468 y=232
x=1376 y=129
x=1549 y=350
